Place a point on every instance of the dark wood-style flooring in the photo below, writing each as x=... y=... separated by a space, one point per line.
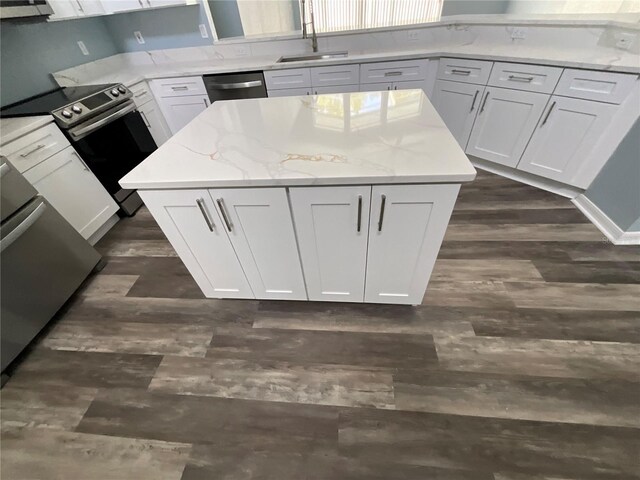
x=522 y=363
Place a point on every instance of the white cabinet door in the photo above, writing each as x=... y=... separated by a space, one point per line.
x=561 y=146
x=407 y=225
x=73 y=190
x=178 y=111
x=289 y=78
x=258 y=222
x=336 y=89
x=289 y=92
x=63 y=9
x=457 y=105
x=332 y=227
x=115 y=6
x=504 y=124
x=191 y=223
x=335 y=75
x=155 y=122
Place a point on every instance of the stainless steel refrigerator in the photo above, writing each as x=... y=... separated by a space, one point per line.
x=43 y=260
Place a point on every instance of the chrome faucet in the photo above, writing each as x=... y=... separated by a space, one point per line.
x=314 y=37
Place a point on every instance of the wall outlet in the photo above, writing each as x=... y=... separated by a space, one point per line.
x=139 y=37
x=413 y=35
x=518 y=33
x=203 y=31
x=83 y=47
x=241 y=50
x=624 y=40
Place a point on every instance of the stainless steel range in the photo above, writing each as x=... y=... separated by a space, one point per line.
x=102 y=123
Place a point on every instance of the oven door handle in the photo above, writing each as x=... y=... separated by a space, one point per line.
x=78 y=133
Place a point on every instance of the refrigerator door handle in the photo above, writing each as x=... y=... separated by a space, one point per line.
x=23 y=226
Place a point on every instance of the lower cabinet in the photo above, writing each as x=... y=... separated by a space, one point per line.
x=562 y=144
x=237 y=243
x=457 y=104
x=178 y=111
x=504 y=124
x=155 y=122
x=73 y=190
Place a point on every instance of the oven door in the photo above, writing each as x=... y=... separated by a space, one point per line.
x=112 y=144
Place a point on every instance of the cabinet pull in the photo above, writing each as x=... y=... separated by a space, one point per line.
x=473 y=104
x=456 y=71
x=84 y=165
x=484 y=102
x=225 y=217
x=149 y=2
x=395 y=87
x=144 y=117
x=39 y=147
x=138 y=95
x=80 y=6
x=392 y=74
x=140 y=2
x=206 y=105
x=179 y=88
x=203 y=210
x=382 y=204
x=516 y=78
x=546 y=117
x=359 y=212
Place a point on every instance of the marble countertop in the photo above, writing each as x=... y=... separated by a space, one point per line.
x=338 y=139
x=12 y=128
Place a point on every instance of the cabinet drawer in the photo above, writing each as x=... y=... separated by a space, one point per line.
x=601 y=86
x=533 y=78
x=178 y=87
x=289 y=92
x=335 y=75
x=393 y=71
x=461 y=70
x=34 y=147
x=141 y=93
x=292 y=78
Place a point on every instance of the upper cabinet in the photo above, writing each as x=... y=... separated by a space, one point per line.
x=65 y=9
x=115 y=6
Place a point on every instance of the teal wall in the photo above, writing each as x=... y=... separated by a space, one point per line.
x=29 y=52
x=616 y=189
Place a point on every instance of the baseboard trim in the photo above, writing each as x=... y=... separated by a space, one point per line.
x=604 y=223
x=101 y=232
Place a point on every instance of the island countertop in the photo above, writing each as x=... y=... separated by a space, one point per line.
x=387 y=137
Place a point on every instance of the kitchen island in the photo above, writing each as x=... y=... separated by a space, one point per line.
x=337 y=197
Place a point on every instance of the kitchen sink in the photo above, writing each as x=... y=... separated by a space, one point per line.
x=314 y=56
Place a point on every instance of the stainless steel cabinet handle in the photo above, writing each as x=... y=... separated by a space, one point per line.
x=80 y=5
x=484 y=102
x=203 y=210
x=39 y=147
x=140 y=2
x=382 y=204
x=225 y=217
x=84 y=165
x=520 y=79
x=359 y=212
x=206 y=104
x=144 y=117
x=546 y=117
x=473 y=104
x=149 y=2
x=392 y=74
x=233 y=86
x=137 y=95
x=456 y=71
x=180 y=88
x=395 y=87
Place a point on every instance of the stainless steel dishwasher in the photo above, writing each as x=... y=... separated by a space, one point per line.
x=231 y=86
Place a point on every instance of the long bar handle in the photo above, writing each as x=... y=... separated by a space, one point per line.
x=484 y=102
x=520 y=79
x=382 y=204
x=546 y=117
x=392 y=74
x=203 y=210
x=39 y=147
x=456 y=71
x=80 y=6
x=225 y=217
x=473 y=104
x=180 y=88
x=359 y=212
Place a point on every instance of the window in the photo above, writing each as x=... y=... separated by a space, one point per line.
x=340 y=15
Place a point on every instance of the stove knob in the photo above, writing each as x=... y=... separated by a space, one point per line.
x=115 y=92
x=122 y=90
x=76 y=109
x=66 y=114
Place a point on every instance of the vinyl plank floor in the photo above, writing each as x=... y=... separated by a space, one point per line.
x=475 y=231
x=520 y=216
x=452 y=270
x=589 y=272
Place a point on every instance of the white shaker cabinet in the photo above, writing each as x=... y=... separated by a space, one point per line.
x=504 y=124
x=191 y=222
x=562 y=144
x=457 y=103
x=406 y=229
x=66 y=182
x=178 y=111
x=258 y=223
x=332 y=224
x=155 y=122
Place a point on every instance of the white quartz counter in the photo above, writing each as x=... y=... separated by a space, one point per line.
x=12 y=128
x=388 y=137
